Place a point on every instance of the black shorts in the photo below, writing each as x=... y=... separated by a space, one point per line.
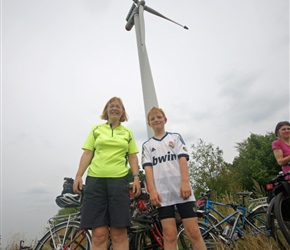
x=106 y=201
x=185 y=210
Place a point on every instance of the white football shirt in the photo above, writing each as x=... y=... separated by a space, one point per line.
x=163 y=156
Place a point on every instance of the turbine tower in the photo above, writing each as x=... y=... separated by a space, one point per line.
x=135 y=18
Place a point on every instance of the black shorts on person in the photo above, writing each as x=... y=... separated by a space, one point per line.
x=106 y=201
x=185 y=210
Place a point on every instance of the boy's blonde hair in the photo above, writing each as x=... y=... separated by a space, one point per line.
x=104 y=115
x=154 y=109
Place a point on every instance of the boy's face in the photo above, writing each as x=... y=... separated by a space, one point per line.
x=156 y=120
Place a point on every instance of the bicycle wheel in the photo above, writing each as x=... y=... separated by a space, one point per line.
x=258 y=218
x=282 y=213
x=144 y=241
x=210 y=239
x=65 y=236
x=208 y=219
x=274 y=229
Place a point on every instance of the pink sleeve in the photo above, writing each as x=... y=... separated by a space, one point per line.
x=276 y=145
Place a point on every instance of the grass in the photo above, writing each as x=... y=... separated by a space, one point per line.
x=13 y=243
x=258 y=242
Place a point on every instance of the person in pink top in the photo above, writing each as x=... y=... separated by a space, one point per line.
x=281 y=146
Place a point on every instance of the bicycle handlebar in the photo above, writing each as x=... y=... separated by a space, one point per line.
x=280 y=177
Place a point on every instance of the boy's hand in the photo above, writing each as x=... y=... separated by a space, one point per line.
x=185 y=190
x=155 y=198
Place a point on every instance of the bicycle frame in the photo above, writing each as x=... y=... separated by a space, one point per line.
x=68 y=246
x=143 y=214
x=233 y=219
x=64 y=242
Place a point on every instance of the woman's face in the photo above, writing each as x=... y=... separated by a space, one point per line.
x=284 y=132
x=115 y=110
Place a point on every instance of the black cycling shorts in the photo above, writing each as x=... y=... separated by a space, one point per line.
x=106 y=201
x=185 y=210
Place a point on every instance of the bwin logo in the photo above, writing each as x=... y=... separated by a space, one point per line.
x=164 y=158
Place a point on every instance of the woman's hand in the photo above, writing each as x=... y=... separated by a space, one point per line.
x=78 y=185
x=136 y=187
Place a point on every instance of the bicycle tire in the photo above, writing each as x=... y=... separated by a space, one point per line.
x=259 y=219
x=282 y=214
x=274 y=228
x=143 y=241
x=210 y=239
x=206 y=218
x=63 y=235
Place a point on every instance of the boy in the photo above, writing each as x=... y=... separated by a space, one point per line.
x=164 y=159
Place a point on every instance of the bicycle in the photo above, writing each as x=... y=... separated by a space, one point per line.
x=257 y=207
x=278 y=220
x=64 y=230
x=146 y=229
x=232 y=227
x=65 y=233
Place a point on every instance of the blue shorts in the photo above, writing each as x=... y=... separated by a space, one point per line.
x=106 y=201
x=185 y=210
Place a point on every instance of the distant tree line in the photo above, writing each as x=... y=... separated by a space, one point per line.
x=252 y=168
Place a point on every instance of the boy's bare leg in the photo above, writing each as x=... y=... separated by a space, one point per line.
x=169 y=233
x=192 y=232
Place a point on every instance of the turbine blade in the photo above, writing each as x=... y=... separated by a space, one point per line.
x=154 y=12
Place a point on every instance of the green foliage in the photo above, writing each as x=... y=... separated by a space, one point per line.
x=65 y=211
x=256 y=160
x=207 y=169
x=249 y=171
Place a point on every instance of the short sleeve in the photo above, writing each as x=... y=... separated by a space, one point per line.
x=132 y=146
x=181 y=148
x=146 y=159
x=90 y=141
x=276 y=145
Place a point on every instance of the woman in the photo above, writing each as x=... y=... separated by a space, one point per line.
x=107 y=149
x=281 y=147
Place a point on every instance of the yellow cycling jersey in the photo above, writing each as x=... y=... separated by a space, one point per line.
x=111 y=149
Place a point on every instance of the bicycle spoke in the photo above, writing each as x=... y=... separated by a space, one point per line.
x=65 y=236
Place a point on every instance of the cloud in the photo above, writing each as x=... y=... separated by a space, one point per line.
x=36 y=189
x=225 y=77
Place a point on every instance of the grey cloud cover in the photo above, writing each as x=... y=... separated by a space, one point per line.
x=224 y=78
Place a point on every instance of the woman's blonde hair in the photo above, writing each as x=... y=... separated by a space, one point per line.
x=154 y=109
x=104 y=115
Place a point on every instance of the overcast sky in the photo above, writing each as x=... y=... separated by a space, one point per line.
x=61 y=60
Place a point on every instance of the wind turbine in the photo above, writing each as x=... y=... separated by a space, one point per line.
x=136 y=17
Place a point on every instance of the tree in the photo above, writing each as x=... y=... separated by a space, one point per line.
x=207 y=169
x=256 y=160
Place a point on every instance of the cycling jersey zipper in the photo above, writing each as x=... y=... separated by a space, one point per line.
x=112 y=129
